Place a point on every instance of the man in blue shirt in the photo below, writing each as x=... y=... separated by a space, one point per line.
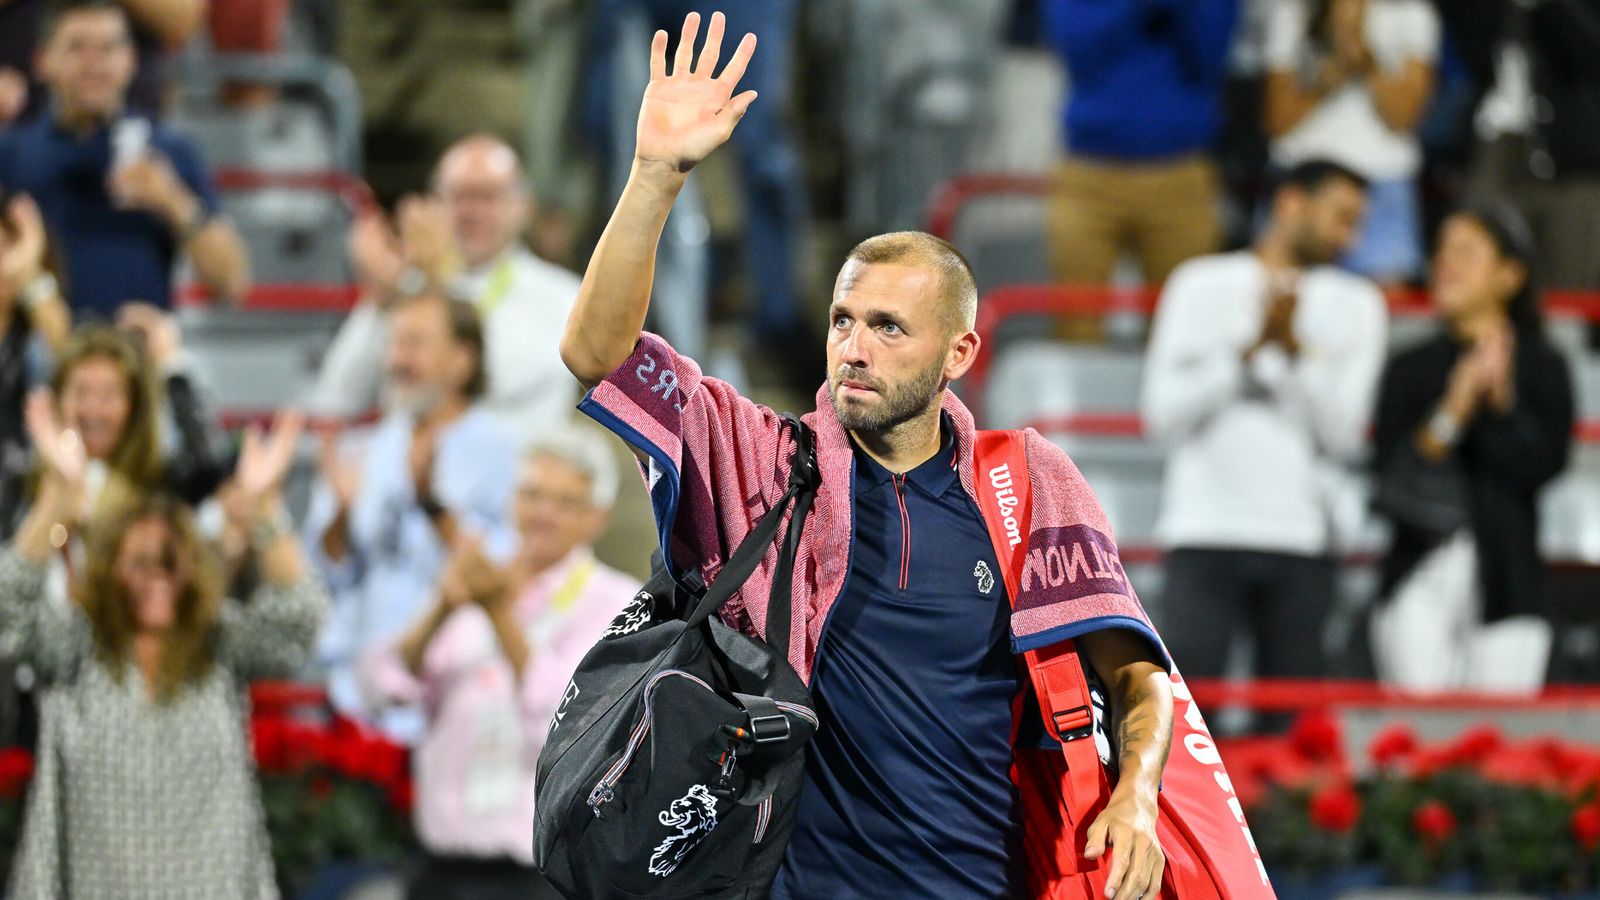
x=121 y=195
x=905 y=631
x=1143 y=106
x=437 y=468
x=916 y=658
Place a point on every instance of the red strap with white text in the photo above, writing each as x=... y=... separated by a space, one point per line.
x=1210 y=852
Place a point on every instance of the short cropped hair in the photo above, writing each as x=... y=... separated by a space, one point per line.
x=957 y=288
x=1311 y=175
x=57 y=12
x=581 y=448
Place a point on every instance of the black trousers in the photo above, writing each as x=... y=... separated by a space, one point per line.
x=1282 y=601
x=472 y=878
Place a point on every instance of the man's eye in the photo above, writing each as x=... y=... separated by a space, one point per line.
x=890 y=328
x=841 y=321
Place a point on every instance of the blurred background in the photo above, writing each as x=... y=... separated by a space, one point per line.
x=1373 y=544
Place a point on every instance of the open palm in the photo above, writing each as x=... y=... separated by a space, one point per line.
x=264 y=460
x=688 y=114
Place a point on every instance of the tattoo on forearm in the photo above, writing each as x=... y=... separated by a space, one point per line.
x=1139 y=732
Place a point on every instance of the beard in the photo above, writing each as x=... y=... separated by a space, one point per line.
x=896 y=404
x=413 y=400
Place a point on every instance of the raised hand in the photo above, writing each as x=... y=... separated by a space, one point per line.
x=60 y=448
x=376 y=255
x=22 y=251
x=426 y=238
x=688 y=114
x=342 y=475
x=264 y=460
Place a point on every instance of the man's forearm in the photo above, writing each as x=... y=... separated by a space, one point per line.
x=415 y=645
x=220 y=261
x=1144 y=732
x=611 y=305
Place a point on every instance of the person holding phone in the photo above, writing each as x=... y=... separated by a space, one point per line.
x=122 y=197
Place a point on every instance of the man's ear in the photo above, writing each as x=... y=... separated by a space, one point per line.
x=962 y=354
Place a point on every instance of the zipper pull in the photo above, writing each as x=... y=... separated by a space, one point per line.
x=600 y=796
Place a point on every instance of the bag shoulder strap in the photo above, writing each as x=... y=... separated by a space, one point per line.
x=1005 y=493
x=799 y=494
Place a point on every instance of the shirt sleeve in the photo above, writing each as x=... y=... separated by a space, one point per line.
x=1191 y=372
x=272 y=636
x=51 y=637
x=186 y=162
x=710 y=457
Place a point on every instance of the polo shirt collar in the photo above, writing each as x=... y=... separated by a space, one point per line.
x=933 y=477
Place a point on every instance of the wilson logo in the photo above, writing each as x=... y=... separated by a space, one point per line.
x=1006 y=501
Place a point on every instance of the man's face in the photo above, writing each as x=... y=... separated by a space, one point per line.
x=89 y=61
x=481 y=186
x=425 y=365
x=888 y=345
x=554 y=509
x=1324 y=222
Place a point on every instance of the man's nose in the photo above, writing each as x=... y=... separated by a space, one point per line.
x=853 y=352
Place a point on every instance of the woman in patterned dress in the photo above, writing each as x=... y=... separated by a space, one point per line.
x=145 y=787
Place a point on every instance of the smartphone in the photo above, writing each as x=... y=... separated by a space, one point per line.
x=130 y=139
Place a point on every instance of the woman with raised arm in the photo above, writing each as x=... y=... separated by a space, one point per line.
x=145 y=785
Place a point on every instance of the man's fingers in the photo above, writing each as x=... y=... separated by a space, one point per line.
x=1095 y=843
x=1120 y=852
x=658 y=56
x=691 y=27
x=712 y=51
x=734 y=70
x=1136 y=879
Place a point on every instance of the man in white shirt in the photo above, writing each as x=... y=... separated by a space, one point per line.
x=463 y=240
x=1260 y=379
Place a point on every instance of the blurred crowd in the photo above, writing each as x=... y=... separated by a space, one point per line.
x=1273 y=166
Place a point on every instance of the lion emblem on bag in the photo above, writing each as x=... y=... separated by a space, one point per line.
x=694 y=815
x=633 y=617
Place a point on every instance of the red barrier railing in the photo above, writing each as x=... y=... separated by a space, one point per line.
x=1129 y=425
x=1261 y=694
x=350 y=190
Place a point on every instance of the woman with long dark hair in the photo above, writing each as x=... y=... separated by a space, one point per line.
x=145 y=785
x=1471 y=424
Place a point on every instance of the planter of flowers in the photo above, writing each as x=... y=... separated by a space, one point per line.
x=1478 y=812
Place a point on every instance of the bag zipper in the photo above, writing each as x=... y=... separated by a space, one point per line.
x=604 y=790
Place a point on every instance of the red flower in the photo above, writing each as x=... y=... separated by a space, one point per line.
x=267 y=738
x=1586 y=826
x=400 y=796
x=1336 y=808
x=16 y=770
x=1434 y=821
x=1392 y=744
x=1317 y=735
x=1475 y=744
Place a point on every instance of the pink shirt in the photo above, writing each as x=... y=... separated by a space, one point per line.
x=474 y=768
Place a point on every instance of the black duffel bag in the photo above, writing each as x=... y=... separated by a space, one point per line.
x=674 y=761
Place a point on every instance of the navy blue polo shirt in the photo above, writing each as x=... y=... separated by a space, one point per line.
x=908 y=790
x=111 y=255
